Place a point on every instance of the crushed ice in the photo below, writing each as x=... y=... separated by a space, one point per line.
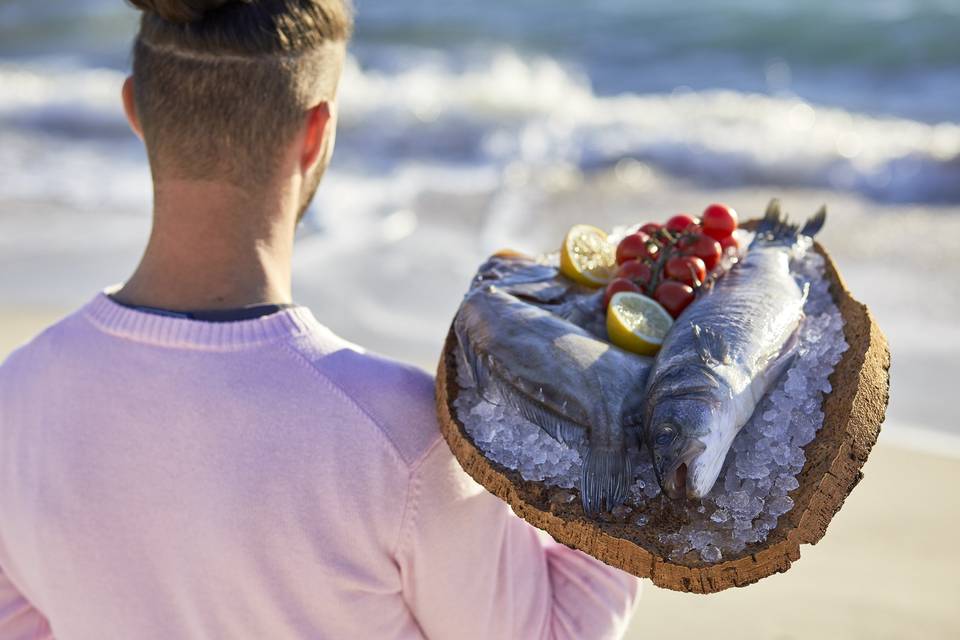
x=761 y=468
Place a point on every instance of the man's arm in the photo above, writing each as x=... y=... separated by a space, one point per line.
x=18 y=619
x=472 y=569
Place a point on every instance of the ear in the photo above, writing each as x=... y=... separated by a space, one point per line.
x=316 y=128
x=130 y=107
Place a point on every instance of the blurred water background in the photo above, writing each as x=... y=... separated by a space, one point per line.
x=469 y=126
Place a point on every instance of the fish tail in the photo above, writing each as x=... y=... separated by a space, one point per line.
x=605 y=480
x=815 y=222
x=775 y=227
x=467 y=355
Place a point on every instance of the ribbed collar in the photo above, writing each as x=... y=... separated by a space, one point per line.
x=152 y=328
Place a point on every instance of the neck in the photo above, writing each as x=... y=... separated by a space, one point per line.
x=214 y=246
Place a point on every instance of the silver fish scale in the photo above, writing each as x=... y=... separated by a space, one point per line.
x=755 y=308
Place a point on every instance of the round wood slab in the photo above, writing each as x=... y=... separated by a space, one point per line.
x=853 y=412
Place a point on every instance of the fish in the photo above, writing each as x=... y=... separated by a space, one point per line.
x=539 y=283
x=527 y=278
x=723 y=353
x=579 y=389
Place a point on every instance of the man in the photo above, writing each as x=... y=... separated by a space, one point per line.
x=190 y=455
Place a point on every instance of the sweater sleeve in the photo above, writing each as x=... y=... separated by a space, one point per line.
x=18 y=619
x=472 y=569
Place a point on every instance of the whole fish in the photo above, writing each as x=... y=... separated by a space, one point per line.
x=721 y=356
x=557 y=375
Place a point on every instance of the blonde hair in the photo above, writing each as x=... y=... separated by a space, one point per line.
x=220 y=84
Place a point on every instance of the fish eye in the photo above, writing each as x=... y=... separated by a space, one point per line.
x=665 y=435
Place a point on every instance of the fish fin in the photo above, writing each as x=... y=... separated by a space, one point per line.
x=464 y=364
x=605 y=479
x=486 y=381
x=772 y=218
x=497 y=387
x=479 y=370
x=814 y=223
x=499 y=390
x=528 y=403
x=785 y=359
x=712 y=346
x=558 y=427
x=467 y=355
x=775 y=227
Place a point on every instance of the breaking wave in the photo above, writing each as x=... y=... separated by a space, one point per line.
x=512 y=111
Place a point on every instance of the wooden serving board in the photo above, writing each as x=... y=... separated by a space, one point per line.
x=853 y=413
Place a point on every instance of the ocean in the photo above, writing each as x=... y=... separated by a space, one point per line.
x=468 y=126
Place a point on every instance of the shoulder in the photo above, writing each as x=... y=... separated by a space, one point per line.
x=37 y=353
x=398 y=398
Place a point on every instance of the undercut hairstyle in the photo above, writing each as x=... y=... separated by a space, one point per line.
x=220 y=85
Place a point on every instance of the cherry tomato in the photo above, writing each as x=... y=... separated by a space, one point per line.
x=729 y=243
x=705 y=248
x=689 y=270
x=719 y=221
x=635 y=270
x=685 y=243
x=635 y=245
x=680 y=222
x=674 y=296
x=651 y=228
x=616 y=286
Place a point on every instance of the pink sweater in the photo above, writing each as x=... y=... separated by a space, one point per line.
x=175 y=479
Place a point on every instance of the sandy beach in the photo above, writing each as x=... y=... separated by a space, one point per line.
x=886 y=568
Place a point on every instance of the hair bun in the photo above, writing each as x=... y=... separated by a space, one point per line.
x=182 y=11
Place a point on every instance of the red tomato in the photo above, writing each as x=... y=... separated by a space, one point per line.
x=674 y=296
x=636 y=270
x=686 y=239
x=685 y=244
x=705 y=248
x=686 y=269
x=729 y=244
x=719 y=221
x=635 y=245
x=616 y=286
x=680 y=222
x=651 y=228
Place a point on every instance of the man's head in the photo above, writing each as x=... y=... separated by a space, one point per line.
x=238 y=91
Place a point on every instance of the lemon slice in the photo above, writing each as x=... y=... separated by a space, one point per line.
x=637 y=323
x=587 y=256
